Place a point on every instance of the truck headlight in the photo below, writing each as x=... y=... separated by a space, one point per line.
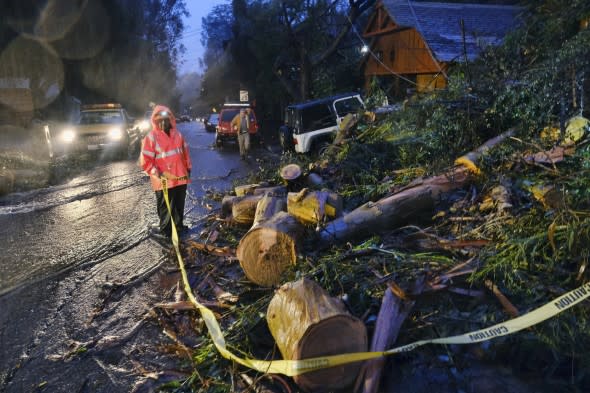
x=115 y=134
x=68 y=135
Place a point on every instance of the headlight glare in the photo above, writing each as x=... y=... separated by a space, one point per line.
x=115 y=134
x=68 y=135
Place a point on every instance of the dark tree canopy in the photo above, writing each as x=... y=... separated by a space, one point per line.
x=282 y=51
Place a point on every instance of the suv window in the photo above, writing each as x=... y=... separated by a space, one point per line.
x=317 y=116
x=346 y=106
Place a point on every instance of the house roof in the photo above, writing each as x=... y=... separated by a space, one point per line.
x=440 y=25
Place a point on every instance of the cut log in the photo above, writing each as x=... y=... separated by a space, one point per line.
x=226 y=205
x=228 y=201
x=267 y=207
x=245 y=189
x=311 y=207
x=305 y=323
x=269 y=248
x=272 y=191
x=244 y=208
x=414 y=200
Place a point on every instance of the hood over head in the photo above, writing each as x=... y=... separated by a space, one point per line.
x=158 y=112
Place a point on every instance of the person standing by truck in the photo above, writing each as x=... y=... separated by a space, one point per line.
x=165 y=154
x=241 y=124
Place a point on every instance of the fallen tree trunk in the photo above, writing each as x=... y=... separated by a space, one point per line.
x=395 y=210
x=269 y=247
x=414 y=200
x=305 y=323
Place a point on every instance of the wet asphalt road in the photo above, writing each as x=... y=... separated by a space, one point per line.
x=63 y=246
x=100 y=213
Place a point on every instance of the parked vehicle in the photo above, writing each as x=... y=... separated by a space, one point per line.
x=224 y=130
x=313 y=124
x=101 y=127
x=211 y=122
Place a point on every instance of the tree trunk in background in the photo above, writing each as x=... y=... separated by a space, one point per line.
x=415 y=200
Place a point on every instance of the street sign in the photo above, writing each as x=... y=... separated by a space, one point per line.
x=243 y=95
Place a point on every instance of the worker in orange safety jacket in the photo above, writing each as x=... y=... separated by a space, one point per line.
x=165 y=154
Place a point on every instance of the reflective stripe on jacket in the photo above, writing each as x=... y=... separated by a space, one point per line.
x=165 y=155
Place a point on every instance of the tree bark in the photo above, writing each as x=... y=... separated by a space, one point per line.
x=269 y=247
x=226 y=205
x=272 y=191
x=267 y=207
x=414 y=200
x=395 y=210
x=244 y=208
x=311 y=207
x=393 y=312
x=245 y=189
x=306 y=322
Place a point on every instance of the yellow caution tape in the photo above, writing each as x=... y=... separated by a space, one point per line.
x=297 y=367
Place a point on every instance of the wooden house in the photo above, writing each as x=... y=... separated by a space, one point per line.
x=412 y=44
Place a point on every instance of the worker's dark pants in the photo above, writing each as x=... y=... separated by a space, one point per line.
x=176 y=196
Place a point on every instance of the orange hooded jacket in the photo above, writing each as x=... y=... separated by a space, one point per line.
x=163 y=155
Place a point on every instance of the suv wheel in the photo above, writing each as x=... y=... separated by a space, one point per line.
x=319 y=148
